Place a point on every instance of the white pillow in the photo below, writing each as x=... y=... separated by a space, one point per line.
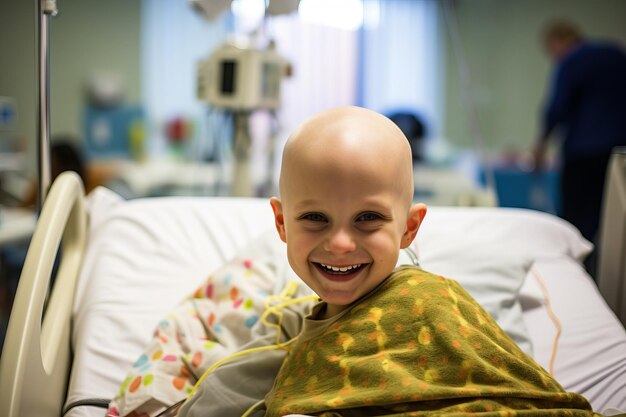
x=532 y=234
x=489 y=251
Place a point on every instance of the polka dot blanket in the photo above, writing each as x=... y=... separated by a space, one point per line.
x=419 y=345
x=211 y=324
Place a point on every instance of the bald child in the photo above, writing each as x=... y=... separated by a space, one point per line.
x=345 y=211
x=382 y=340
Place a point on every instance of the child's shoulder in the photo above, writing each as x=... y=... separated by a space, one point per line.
x=414 y=275
x=414 y=282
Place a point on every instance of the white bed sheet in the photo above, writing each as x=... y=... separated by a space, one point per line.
x=591 y=351
x=121 y=296
x=104 y=348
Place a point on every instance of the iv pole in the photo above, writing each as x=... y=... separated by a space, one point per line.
x=44 y=9
x=242 y=142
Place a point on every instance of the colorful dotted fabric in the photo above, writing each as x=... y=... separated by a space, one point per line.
x=210 y=325
x=419 y=346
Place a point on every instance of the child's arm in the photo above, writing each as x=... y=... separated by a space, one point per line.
x=238 y=384
x=245 y=378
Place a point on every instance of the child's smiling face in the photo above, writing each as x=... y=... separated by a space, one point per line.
x=346 y=203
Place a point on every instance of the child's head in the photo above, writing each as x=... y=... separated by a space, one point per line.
x=345 y=207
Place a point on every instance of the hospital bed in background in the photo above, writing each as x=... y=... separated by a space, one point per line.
x=450 y=186
x=160 y=177
x=127 y=263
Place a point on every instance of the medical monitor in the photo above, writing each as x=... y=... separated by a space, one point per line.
x=240 y=78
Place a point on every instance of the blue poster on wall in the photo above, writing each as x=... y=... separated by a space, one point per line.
x=108 y=131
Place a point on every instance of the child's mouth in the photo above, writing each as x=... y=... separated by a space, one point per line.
x=339 y=273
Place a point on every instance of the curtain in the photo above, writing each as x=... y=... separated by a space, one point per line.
x=392 y=61
x=174 y=39
x=401 y=59
x=324 y=60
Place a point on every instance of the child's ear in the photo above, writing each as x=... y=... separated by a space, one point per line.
x=413 y=222
x=279 y=218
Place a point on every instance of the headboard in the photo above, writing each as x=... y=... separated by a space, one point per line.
x=612 y=251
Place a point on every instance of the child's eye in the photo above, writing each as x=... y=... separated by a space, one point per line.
x=313 y=217
x=368 y=217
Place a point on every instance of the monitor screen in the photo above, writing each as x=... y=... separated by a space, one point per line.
x=229 y=69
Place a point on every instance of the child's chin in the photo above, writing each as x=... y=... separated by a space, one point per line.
x=341 y=298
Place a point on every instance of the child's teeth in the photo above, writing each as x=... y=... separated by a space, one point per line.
x=340 y=269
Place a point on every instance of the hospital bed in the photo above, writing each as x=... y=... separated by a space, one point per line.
x=125 y=264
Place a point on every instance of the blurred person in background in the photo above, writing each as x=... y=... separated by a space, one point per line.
x=65 y=155
x=587 y=106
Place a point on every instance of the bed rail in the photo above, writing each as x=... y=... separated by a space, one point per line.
x=35 y=363
x=612 y=251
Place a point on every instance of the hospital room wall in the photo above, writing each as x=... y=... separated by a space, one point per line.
x=509 y=70
x=17 y=66
x=86 y=37
x=500 y=39
x=90 y=38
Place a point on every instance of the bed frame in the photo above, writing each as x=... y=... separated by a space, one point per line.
x=36 y=357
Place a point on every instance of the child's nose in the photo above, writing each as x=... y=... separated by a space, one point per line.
x=340 y=241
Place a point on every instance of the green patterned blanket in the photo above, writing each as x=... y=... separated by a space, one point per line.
x=419 y=345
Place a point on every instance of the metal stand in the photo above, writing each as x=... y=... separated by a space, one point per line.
x=44 y=8
x=241 y=185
